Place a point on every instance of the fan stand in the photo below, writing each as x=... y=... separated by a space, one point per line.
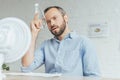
x=2 y=76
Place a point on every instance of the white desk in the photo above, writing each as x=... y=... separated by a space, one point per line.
x=54 y=78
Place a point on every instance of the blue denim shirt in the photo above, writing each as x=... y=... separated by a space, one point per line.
x=74 y=55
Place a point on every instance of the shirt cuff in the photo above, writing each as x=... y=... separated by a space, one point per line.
x=30 y=68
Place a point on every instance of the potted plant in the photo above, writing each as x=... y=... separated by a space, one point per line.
x=5 y=67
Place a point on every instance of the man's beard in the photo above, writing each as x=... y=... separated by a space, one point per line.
x=62 y=29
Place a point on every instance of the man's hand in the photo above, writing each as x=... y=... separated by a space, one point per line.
x=36 y=24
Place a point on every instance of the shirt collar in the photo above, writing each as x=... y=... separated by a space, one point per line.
x=72 y=34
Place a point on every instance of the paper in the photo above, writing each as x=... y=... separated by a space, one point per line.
x=34 y=74
x=98 y=30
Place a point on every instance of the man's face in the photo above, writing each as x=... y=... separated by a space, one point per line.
x=55 y=21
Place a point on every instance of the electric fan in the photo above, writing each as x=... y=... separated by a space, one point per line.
x=15 y=39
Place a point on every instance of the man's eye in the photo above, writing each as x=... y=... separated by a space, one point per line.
x=54 y=18
x=48 y=22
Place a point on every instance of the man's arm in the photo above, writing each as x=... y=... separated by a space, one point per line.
x=35 y=28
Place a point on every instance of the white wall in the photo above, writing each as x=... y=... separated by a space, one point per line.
x=81 y=13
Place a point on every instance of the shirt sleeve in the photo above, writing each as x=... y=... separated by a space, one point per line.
x=38 y=60
x=90 y=60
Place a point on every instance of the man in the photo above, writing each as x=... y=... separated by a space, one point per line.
x=66 y=53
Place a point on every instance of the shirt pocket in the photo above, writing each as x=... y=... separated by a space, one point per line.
x=70 y=60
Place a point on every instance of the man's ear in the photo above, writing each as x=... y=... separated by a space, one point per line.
x=66 y=18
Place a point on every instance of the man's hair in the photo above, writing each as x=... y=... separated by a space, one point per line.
x=58 y=8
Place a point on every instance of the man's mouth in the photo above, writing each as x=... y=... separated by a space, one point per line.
x=54 y=28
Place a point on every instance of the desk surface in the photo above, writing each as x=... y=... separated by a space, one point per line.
x=54 y=78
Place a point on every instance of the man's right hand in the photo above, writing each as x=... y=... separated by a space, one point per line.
x=35 y=25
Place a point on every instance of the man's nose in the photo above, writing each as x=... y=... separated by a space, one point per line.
x=52 y=22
